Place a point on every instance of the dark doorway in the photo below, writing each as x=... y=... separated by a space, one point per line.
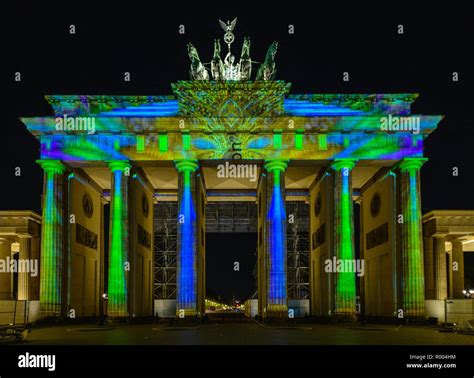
x=230 y=266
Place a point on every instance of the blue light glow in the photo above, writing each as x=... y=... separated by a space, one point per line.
x=187 y=257
x=159 y=109
x=311 y=109
x=276 y=217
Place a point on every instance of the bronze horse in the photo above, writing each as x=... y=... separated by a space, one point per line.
x=267 y=69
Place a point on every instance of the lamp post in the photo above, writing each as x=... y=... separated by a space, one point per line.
x=446 y=302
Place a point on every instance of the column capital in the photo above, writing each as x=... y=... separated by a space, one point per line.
x=408 y=164
x=275 y=165
x=339 y=164
x=186 y=165
x=24 y=236
x=118 y=165
x=54 y=166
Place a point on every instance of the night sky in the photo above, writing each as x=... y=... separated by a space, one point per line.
x=327 y=41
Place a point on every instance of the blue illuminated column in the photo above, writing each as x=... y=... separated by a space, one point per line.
x=119 y=241
x=277 y=305
x=52 y=256
x=186 y=301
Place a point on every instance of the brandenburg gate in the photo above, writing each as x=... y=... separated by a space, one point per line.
x=134 y=152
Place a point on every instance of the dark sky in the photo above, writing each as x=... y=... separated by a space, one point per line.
x=327 y=41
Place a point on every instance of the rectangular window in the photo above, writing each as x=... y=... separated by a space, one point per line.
x=163 y=142
x=299 y=140
x=323 y=142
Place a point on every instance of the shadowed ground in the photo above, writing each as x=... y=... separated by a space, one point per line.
x=245 y=332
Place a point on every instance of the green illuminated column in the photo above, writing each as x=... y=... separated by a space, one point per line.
x=412 y=285
x=118 y=287
x=344 y=249
x=187 y=274
x=277 y=298
x=52 y=257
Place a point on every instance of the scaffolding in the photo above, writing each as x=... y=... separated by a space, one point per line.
x=297 y=235
x=230 y=217
x=166 y=249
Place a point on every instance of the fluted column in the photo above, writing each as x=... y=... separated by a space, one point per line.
x=430 y=269
x=458 y=275
x=5 y=277
x=52 y=256
x=441 y=280
x=186 y=303
x=24 y=276
x=344 y=248
x=412 y=285
x=119 y=254
x=277 y=298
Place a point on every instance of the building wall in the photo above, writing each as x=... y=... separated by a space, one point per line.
x=84 y=250
x=141 y=249
x=320 y=246
x=201 y=246
x=459 y=311
x=378 y=248
x=261 y=243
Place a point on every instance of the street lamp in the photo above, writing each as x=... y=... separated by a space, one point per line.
x=446 y=302
x=468 y=293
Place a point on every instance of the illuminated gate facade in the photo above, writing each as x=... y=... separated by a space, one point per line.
x=133 y=152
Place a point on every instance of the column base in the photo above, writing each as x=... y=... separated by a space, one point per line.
x=187 y=313
x=345 y=318
x=277 y=311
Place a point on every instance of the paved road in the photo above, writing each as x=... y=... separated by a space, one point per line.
x=243 y=333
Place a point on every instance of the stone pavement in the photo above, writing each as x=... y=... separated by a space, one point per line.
x=247 y=332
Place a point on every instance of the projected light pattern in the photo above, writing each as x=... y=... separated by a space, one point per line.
x=161 y=109
x=345 y=296
x=207 y=120
x=276 y=228
x=366 y=103
x=278 y=144
x=51 y=238
x=118 y=305
x=187 y=239
x=412 y=255
x=311 y=109
x=93 y=104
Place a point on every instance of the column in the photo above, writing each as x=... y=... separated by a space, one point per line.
x=344 y=248
x=277 y=305
x=458 y=274
x=412 y=279
x=24 y=263
x=5 y=277
x=441 y=281
x=430 y=274
x=52 y=256
x=119 y=257
x=187 y=275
